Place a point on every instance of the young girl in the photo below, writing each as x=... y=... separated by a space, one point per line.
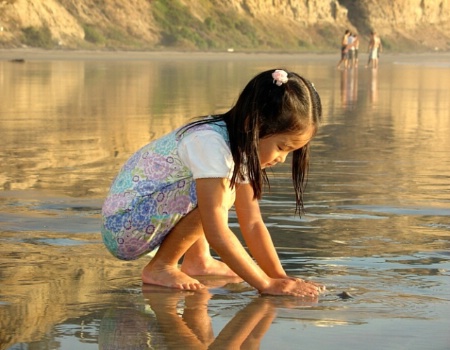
x=175 y=192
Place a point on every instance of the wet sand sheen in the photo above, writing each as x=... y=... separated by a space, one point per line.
x=376 y=225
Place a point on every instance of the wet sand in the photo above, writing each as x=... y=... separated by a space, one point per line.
x=377 y=224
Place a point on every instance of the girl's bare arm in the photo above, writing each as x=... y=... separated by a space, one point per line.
x=214 y=200
x=255 y=232
x=258 y=238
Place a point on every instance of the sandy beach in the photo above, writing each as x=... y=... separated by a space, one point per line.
x=32 y=54
x=39 y=54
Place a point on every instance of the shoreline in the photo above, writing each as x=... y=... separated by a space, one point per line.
x=32 y=54
x=41 y=54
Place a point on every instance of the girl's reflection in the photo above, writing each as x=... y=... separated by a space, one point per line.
x=179 y=320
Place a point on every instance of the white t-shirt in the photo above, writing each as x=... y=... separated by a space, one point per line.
x=206 y=154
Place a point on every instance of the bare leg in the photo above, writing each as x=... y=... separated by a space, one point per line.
x=375 y=63
x=248 y=326
x=198 y=261
x=196 y=316
x=163 y=269
x=177 y=331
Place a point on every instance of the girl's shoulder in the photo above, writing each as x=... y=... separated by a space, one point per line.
x=202 y=125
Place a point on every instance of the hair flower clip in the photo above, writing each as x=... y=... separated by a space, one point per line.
x=280 y=77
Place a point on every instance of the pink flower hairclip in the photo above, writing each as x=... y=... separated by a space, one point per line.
x=280 y=77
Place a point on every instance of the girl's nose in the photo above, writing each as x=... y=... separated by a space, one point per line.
x=282 y=158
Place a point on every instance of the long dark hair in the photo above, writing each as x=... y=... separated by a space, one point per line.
x=264 y=109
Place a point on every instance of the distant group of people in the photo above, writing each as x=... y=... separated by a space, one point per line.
x=350 y=48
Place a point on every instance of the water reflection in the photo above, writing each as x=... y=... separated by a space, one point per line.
x=68 y=125
x=76 y=121
x=373 y=86
x=377 y=221
x=43 y=282
x=181 y=320
x=349 y=87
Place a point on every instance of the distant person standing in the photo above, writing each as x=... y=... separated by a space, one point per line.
x=344 y=50
x=355 y=49
x=375 y=47
x=350 y=50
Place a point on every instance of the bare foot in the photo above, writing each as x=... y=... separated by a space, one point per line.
x=203 y=267
x=169 y=276
x=212 y=281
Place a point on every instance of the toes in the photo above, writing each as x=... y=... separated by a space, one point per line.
x=191 y=286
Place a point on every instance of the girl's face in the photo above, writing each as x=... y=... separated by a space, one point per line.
x=275 y=148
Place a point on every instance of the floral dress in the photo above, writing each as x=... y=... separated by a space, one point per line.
x=152 y=192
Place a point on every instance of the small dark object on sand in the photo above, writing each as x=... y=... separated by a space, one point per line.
x=18 y=60
x=345 y=295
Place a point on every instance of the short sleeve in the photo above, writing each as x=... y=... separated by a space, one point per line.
x=206 y=154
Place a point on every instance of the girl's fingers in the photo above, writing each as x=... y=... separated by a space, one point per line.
x=311 y=287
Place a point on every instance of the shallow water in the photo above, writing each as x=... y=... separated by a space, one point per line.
x=377 y=223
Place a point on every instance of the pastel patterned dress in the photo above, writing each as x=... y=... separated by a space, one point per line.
x=152 y=192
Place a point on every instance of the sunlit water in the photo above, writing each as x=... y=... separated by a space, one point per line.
x=377 y=223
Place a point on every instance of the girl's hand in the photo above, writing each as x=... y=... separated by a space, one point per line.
x=320 y=287
x=294 y=287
